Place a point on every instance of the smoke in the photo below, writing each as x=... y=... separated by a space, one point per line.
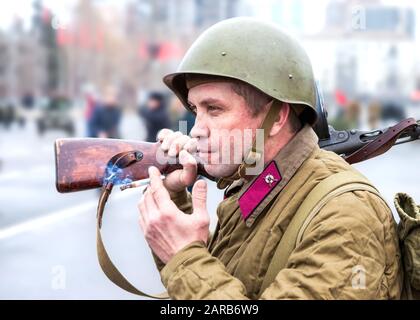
x=115 y=175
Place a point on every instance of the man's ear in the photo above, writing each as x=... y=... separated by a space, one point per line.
x=281 y=120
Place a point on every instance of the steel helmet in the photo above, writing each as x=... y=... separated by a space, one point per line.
x=257 y=53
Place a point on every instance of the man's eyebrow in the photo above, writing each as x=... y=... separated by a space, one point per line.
x=207 y=101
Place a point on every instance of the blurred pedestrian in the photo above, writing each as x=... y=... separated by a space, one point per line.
x=374 y=114
x=155 y=115
x=106 y=117
x=348 y=117
x=91 y=102
x=28 y=100
x=181 y=119
x=176 y=111
x=89 y=110
x=8 y=114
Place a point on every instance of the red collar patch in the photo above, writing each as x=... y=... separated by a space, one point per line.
x=259 y=189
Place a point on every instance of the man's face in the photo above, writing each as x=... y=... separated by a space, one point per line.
x=224 y=126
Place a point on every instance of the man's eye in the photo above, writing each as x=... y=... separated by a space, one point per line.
x=213 y=108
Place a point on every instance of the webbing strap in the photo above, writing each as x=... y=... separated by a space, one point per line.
x=326 y=190
x=105 y=262
x=115 y=275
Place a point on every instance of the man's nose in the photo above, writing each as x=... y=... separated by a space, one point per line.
x=200 y=129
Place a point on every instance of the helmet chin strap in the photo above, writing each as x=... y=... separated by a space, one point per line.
x=255 y=155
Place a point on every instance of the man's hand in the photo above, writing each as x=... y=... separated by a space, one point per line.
x=177 y=144
x=167 y=229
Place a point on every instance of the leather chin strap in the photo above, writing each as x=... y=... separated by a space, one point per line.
x=119 y=161
x=254 y=155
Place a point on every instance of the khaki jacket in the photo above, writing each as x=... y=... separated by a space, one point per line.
x=349 y=250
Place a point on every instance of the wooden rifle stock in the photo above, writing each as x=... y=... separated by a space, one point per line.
x=81 y=163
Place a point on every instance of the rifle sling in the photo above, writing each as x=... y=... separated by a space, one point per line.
x=120 y=160
x=382 y=143
x=105 y=262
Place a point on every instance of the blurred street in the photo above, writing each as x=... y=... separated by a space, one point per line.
x=45 y=234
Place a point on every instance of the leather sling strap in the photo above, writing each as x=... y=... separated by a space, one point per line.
x=107 y=266
x=382 y=143
x=326 y=190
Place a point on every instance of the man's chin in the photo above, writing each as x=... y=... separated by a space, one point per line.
x=221 y=170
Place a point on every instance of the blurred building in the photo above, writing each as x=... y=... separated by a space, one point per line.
x=164 y=29
x=135 y=47
x=366 y=48
x=22 y=63
x=288 y=14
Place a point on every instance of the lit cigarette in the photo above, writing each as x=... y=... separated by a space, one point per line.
x=138 y=183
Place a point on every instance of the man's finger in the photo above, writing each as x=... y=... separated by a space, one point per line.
x=167 y=141
x=157 y=189
x=177 y=145
x=199 y=197
x=162 y=134
x=143 y=208
x=150 y=205
x=189 y=168
x=191 y=145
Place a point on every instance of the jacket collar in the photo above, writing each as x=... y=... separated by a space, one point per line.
x=255 y=194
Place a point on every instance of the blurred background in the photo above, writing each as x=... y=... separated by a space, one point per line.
x=80 y=68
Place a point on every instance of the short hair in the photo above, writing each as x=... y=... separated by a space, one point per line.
x=256 y=100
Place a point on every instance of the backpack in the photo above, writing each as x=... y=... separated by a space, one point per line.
x=333 y=186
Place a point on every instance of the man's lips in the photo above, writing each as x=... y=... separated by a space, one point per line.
x=204 y=150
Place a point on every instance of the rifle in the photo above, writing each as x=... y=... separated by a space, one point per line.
x=82 y=163
x=87 y=163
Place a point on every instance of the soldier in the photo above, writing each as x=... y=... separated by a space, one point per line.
x=244 y=74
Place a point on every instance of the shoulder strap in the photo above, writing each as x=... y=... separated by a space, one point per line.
x=326 y=190
x=105 y=262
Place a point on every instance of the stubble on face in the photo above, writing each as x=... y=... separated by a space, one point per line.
x=224 y=127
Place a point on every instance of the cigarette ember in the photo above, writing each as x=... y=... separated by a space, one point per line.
x=138 y=183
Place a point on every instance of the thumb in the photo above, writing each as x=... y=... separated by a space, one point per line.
x=199 y=197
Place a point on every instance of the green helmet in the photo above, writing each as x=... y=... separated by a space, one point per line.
x=256 y=53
